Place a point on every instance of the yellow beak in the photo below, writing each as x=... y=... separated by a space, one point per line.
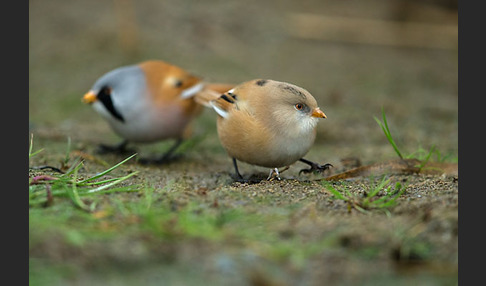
x=89 y=97
x=318 y=113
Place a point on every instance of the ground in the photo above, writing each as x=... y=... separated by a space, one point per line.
x=188 y=222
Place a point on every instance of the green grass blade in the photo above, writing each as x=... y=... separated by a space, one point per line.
x=381 y=200
x=388 y=203
x=395 y=197
x=112 y=183
x=390 y=198
x=379 y=187
x=68 y=150
x=108 y=170
x=334 y=192
x=131 y=188
x=35 y=153
x=74 y=168
x=386 y=130
x=360 y=209
x=73 y=193
x=97 y=182
x=31 y=146
x=388 y=134
x=427 y=158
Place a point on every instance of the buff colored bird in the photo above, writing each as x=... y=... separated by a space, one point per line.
x=268 y=123
x=148 y=102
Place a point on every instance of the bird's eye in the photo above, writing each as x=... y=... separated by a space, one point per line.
x=178 y=83
x=105 y=90
x=299 y=106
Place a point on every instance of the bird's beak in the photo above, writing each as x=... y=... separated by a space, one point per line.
x=318 y=113
x=89 y=97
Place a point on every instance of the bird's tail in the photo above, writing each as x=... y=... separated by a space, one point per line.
x=211 y=91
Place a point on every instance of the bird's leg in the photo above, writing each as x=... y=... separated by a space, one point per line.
x=284 y=169
x=168 y=154
x=165 y=158
x=240 y=177
x=120 y=148
x=277 y=173
x=274 y=171
x=314 y=167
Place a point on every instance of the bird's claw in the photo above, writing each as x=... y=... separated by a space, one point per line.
x=316 y=168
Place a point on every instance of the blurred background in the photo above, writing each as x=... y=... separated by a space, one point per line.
x=354 y=56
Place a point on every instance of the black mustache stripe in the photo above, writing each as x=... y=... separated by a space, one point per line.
x=105 y=98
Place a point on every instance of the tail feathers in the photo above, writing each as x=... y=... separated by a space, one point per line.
x=219 y=87
x=205 y=96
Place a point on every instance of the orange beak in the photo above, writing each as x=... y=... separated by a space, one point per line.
x=89 y=97
x=318 y=113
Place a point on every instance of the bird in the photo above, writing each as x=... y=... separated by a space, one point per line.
x=267 y=123
x=148 y=102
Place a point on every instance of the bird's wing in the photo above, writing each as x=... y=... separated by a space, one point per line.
x=224 y=104
x=211 y=91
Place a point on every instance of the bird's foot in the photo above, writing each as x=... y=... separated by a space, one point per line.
x=252 y=179
x=275 y=173
x=314 y=167
x=162 y=160
x=115 y=149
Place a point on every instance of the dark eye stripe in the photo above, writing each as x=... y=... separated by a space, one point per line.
x=105 y=97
